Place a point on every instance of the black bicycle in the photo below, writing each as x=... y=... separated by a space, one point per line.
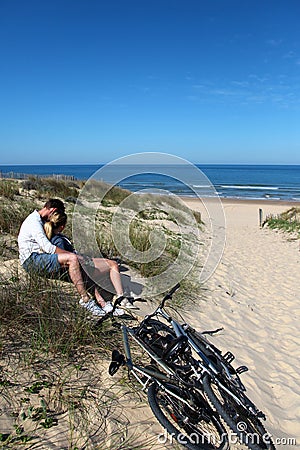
x=191 y=384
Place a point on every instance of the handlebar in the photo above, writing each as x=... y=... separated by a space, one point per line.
x=170 y=294
x=159 y=309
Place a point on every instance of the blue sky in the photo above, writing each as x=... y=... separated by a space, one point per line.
x=87 y=81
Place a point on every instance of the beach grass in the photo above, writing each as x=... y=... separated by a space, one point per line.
x=288 y=221
x=52 y=356
x=9 y=189
x=51 y=187
x=12 y=214
x=51 y=364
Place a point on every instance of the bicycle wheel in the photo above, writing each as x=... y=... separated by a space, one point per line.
x=187 y=417
x=246 y=426
x=156 y=335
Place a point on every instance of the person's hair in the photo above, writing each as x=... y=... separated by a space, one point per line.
x=54 y=203
x=56 y=220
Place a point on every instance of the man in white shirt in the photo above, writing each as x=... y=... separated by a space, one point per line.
x=38 y=255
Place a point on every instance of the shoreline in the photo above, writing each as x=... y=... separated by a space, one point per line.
x=223 y=200
x=280 y=192
x=239 y=200
x=253 y=296
x=236 y=212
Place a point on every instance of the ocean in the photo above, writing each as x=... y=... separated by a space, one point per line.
x=263 y=182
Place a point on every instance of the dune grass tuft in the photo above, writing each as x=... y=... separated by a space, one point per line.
x=53 y=358
x=288 y=221
x=51 y=187
x=9 y=189
x=12 y=214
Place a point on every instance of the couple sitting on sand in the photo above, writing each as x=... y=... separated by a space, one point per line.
x=45 y=251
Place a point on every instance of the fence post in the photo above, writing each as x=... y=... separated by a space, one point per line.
x=260 y=213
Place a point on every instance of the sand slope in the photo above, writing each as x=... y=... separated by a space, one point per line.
x=254 y=295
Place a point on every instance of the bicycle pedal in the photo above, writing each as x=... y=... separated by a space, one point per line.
x=118 y=360
x=229 y=357
x=242 y=369
x=136 y=299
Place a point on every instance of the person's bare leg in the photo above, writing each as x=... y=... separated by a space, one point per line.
x=108 y=266
x=70 y=260
x=99 y=298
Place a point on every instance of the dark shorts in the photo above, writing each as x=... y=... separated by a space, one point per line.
x=43 y=264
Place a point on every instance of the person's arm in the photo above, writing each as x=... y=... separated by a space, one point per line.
x=60 y=250
x=61 y=241
x=39 y=235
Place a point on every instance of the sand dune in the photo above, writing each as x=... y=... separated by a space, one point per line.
x=253 y=294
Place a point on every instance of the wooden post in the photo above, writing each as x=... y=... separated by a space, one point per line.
x=260 y=213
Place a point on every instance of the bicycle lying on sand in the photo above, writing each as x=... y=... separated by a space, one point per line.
x=192 y=387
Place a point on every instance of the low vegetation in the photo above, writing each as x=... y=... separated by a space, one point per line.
x=52 y=356
x=109 y=195
x=12 y=214
x=9 y=189
x=50 y=187
x=288 y=221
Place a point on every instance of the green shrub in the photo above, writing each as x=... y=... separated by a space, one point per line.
x=9 y=189
x=115 y=196
x=51 y=187
x=13 y=214
x=109 y=195
x=33 y=183
x=288 y=221
x=198 y=218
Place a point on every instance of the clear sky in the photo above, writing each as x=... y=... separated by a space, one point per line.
x=88 y=81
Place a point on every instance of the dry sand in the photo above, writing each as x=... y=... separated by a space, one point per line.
x=254 y=295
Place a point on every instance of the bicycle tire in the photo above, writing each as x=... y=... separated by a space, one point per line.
x=159 y=326
x=208 y=433
x=155 y=334
x=246 y=426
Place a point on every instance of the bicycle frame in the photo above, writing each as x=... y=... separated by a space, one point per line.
x=204 y=364
x=183 y=360
x=150 y=374
x=134 y=368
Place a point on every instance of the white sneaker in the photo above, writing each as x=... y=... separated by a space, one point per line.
x=118 y=312
x=92 y=307
x=109 y=307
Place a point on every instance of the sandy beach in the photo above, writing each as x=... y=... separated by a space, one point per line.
x=253 y=294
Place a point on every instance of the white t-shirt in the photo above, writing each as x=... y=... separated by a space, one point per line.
x=32 y=237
